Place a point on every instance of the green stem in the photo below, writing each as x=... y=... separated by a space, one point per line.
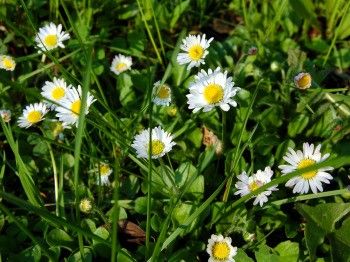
x=55 y=179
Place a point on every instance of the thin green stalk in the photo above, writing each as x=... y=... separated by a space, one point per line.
x=24 y=229
x=308 y=197
x=116 y=208
x=235 y=161
x=342 y=108
x=160 y=39
x=336 y=33
x=55 y=179
x=223 y=129
x=60 y=188
x=150 y=34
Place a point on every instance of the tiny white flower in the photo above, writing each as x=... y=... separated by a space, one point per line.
x=5 y=115
x=211 y=89
x=161 y=143
x=194 y=48
x=69 y=109
x=50 y=37
x=301 y=159
x=85 y=205
x=7 y=63
x=103 y=172
x=32 y=114
x=220 y=249
x=161 y=94
x=247 y=185
x=55 y=91
x=303 y=80
x=121 y=63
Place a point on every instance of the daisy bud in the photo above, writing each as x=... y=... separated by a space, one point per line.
x=5 y=115
x=303 y=81
x=85 y=205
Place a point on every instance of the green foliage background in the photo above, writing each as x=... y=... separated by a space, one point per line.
x=185 y=205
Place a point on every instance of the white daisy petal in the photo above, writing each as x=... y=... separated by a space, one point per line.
x=32 y=114
x=50 y=37
x=161 y=143
x=161 y=94
x=220 y=249
x=121 y=63
x=55 y=91
x=211 y=89
x=309 y=180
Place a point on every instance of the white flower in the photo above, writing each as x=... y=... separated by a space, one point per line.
x=121 y=63
x=103 y=172
x=69 y=110
x=195 y=50
x=303 y=80
x=220 y=249
x=32 y=114
x=50 y=37
x=301 y=159
x=161 y=94
x=7 y=63
x=211 y=89
x=247 y=185
x=161 y=143
x=55 y=91
x=5 y=115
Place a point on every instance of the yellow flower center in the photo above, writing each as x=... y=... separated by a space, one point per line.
x=213 y=93
x=221 y=250
x=75 y=107
x=34 y=117
x=195 y=52
x=255 y=185
x=305 y=163
x=8 y=63
x=104 y=169
x=85 y=205
x=57 y=92
x=50 y=40
x=157 y=147
x=163 y=92
x=304 y=81
x=120 y=67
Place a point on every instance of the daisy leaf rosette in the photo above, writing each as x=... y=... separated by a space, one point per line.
x=211 y=89
x=162 y=143
x=309 y=156
x=50 y=37
x=248 y=184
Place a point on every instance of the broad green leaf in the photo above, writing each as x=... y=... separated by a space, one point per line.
x=288 y=251
x=304 y=8
x=127 y=95
x=242 y=256
x=76 y=257
x=178 y=11
x=297 y=125
x=60 y=238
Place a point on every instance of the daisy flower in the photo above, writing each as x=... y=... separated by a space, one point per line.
x=5 y=115
x=121 y=63
x=303 y=80
x=220 y=249
x=32 y=114
x=211 y=89
x=161 y=143
x=69 y=109
x=301 y=159
x=55 y=91
x=194 y=48
x=50 y=37
x=7 y=63
x=161 y=94
x=85 y=205
x=103 y=170
x=246 y=185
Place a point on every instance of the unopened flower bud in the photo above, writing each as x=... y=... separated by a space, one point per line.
x=303 y=81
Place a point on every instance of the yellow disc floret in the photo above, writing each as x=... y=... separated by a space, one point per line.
x=221 y=250
x=195 y=52
x=50 y=41
x=75 y=107
x=163 y=92
x=34 y=117
x=104 y=169
x=120 y=67
x=213 y=93
x=255 y=185
x=57 y=93
x=8 y=63
x=305 y=163
x=157 y=147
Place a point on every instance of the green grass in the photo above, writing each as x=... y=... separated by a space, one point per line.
x=178 y=201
